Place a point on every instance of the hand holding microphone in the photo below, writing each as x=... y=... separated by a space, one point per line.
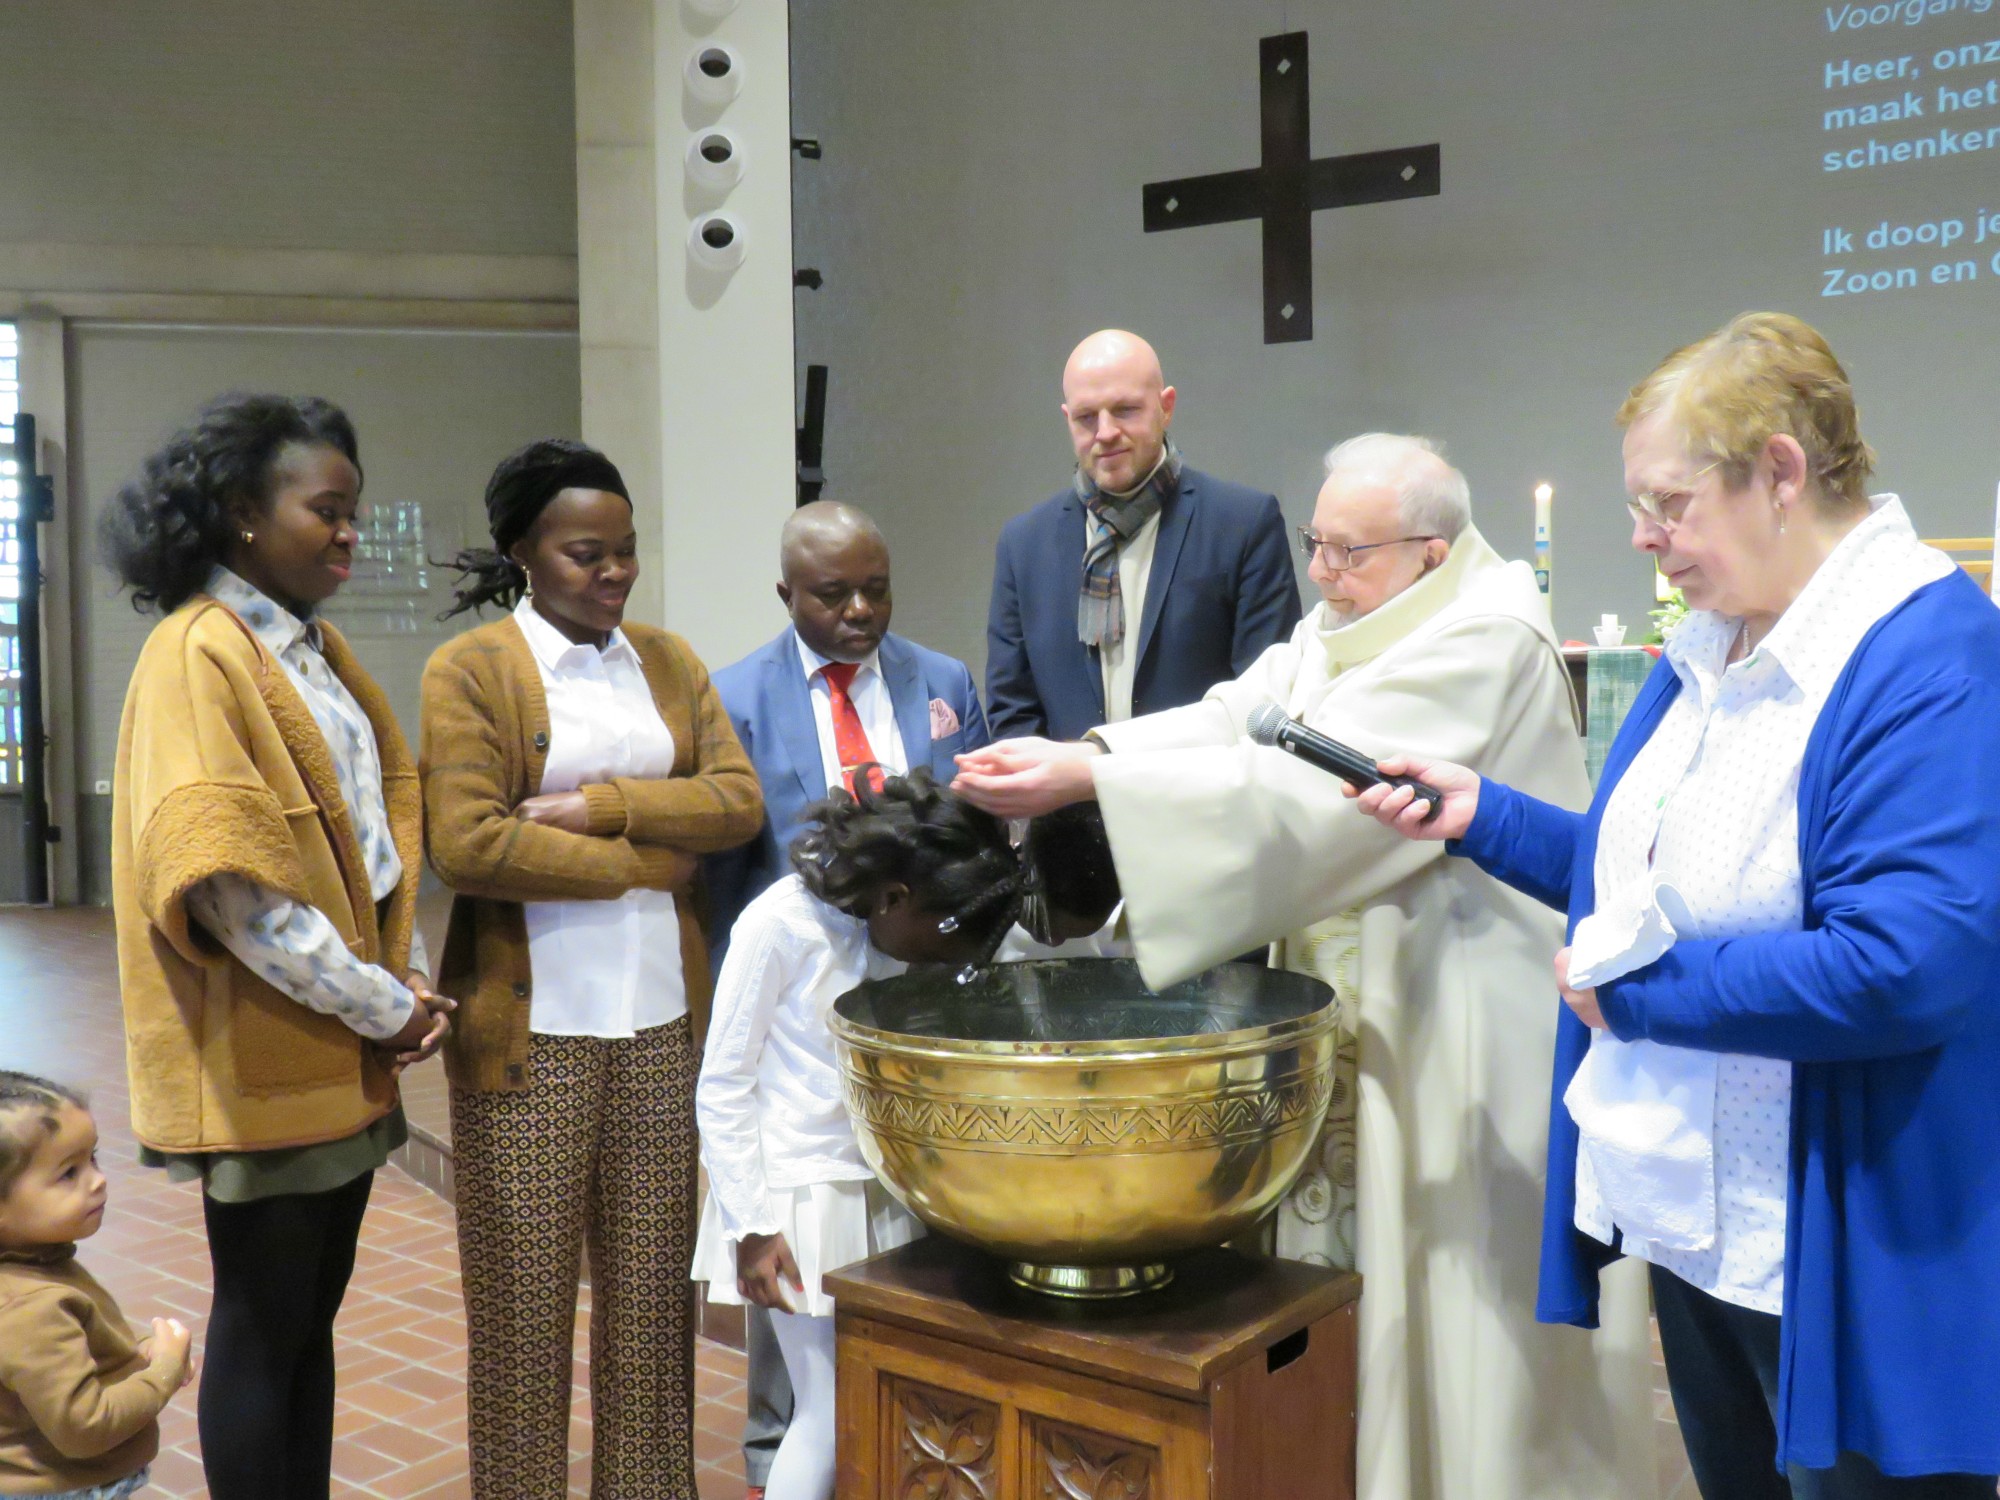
x=1421 y=800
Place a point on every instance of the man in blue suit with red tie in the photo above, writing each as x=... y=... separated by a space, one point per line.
x=835 y=672
x=834 y=690
x=1145 y=583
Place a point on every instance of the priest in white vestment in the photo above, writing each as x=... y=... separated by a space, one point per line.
x=1429 y=1175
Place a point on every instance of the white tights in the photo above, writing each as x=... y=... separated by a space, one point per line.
x=804 y=1466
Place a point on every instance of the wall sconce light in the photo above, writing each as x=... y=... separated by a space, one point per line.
x=714 y=73
x=714 y=159
x=716 y=241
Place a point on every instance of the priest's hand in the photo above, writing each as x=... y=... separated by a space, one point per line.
x=1397 y=806
x=1583 y=1002
x=764 y=1267
x=1025 y=778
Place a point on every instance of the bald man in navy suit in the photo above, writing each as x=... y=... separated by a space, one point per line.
x=1142 y=585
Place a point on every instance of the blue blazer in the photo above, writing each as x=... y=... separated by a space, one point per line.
x=1220 y=592
x=770 y=705
x=1886 y=1005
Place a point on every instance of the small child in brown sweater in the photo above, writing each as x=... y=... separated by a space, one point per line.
x=80 y=1397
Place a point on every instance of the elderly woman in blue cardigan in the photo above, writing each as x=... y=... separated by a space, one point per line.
x=1778 y=1082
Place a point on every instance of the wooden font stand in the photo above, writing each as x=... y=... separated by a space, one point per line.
x=1237 y=1382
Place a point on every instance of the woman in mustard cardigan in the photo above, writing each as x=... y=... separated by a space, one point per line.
x=264 y=862
x=574 y=767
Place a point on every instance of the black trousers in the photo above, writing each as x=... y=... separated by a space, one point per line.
x=1722 y=1368
x=265 y=1409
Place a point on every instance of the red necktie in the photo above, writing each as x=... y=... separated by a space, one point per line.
x=850 y=740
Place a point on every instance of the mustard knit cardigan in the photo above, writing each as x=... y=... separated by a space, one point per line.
x=484 y=742
x=222 y=768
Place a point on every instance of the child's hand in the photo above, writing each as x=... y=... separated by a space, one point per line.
x=764 y=1265
x=171 y=1349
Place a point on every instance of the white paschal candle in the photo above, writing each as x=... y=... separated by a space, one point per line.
x=1544 y=496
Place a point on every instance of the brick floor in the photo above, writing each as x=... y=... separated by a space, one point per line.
x=400 y=1417
x=399 y=1425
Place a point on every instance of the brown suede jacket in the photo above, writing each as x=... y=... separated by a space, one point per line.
x=221 y=768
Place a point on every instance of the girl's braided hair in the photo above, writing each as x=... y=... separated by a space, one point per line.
x=29 y=1107
x=954 y=859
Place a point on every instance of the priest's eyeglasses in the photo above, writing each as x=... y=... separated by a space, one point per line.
x=1338 y=557
x=1664 y=508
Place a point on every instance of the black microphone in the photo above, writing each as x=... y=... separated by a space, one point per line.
x=1271 y=725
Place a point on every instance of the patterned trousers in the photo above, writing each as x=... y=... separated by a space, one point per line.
x=600 y=1150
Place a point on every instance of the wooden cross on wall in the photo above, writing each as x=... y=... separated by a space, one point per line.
x=1289 y=188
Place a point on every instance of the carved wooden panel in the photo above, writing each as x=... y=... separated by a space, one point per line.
x=945 y=1445
x=1072 y=1464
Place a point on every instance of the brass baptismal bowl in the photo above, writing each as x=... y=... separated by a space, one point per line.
x=1062 y=1116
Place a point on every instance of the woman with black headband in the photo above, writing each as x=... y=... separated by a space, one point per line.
x=574 y=767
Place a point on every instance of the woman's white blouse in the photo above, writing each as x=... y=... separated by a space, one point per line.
x=769 y=1102
x=1705 y=823
x=602 y=968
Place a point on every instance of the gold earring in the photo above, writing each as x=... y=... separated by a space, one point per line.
x=1781 y=517
x=249 y=537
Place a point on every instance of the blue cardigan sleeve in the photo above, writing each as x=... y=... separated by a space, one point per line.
x=1523 y=842
x=1902 y=885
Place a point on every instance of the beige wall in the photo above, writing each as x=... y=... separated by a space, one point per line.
x=374 y=162
x=371 y=125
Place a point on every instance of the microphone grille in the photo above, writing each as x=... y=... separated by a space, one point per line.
x=1265 y=722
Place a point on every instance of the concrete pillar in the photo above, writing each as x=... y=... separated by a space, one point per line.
x=618 y=321
x=687 y=365
x=726 y=367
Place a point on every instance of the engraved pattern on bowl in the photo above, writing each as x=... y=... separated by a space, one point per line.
x=1056 y=1113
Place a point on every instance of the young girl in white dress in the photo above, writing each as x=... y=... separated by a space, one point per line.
x=902 y=873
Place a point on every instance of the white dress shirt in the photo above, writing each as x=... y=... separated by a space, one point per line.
x=1700 y=840
x=1119 y=662
x=872 y=705
x=769 y=1103
x=602 y=968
